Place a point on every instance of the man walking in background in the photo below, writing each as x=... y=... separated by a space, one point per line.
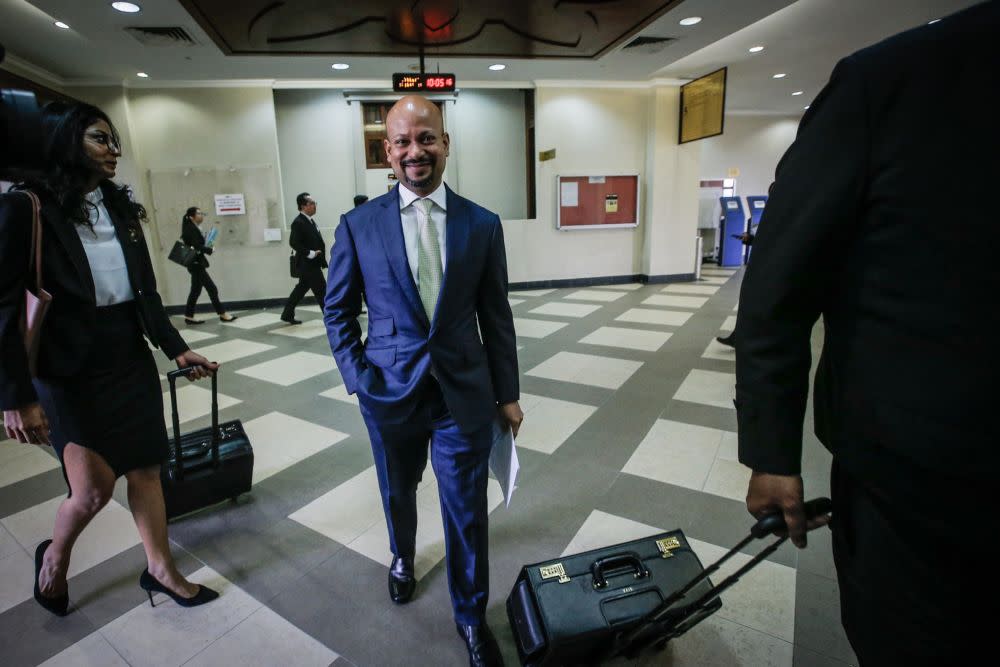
x=310 y=257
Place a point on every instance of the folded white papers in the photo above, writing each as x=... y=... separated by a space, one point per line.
x=503 y=459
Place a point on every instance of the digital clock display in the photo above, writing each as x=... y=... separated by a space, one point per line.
x=410 y=83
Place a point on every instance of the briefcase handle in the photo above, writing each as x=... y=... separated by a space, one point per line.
x=617 y=561
x=172 y=379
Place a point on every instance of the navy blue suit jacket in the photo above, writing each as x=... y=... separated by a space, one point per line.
x=387 y=371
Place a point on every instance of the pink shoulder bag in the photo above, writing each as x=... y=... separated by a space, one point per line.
x=36 y=304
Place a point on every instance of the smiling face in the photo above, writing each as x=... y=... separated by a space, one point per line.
x=416 y=144
x=100 y=146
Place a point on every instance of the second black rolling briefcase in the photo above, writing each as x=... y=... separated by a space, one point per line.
x=620 y=600
x=206 y=466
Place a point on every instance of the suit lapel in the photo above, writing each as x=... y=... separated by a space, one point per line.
x=128 y=238
x=65 y=231
x=390 y=226
x=456 y=243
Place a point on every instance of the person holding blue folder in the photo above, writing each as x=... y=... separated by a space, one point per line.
x=191 y=235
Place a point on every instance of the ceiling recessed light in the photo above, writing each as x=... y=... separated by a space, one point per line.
x=499 y=67
x=60 y=24
x=756 y=49
x=779 y=75
x=127 y=7
x=691 y=20
x=797 y=92
x=142 y=75
x=341 y=66
x=933 y=22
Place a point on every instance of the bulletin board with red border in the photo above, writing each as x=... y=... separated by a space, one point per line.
x=597 y=202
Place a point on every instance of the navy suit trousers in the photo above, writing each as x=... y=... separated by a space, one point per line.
x=460 y=463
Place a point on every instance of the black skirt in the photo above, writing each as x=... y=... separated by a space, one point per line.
x=114 y=406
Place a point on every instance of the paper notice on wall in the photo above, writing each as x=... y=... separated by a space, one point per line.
x=596 y=179
x=232 y=204
x=611 y=203
x=569 y=194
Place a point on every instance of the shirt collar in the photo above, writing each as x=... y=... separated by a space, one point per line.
x=439 y=197
x=95 y=197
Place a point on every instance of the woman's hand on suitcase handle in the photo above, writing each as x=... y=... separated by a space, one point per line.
x=768 y=494
x=28 y=424
x=201 y=367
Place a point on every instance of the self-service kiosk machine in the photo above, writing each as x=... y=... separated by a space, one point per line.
x=756 y=206
x=733 y=224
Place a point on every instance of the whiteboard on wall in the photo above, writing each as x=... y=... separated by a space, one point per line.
x=175 y=190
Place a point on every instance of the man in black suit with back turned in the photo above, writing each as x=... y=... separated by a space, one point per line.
x=310 y=255
x=876 y=224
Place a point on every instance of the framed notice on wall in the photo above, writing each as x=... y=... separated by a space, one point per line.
x=597 y=202
x=703 y=106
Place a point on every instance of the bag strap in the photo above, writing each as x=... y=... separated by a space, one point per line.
x=35 y=258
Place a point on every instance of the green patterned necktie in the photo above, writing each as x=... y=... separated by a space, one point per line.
x=428 y=258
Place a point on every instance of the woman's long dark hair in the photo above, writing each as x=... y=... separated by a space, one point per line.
x=68 y=168
x=189 y=215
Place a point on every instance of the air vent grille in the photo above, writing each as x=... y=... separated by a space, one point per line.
x=171 y=36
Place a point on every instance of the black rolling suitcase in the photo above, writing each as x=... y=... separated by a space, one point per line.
x=623 y=599
x=205 y=466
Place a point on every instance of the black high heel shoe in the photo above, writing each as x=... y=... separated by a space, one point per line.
x=150 y=584
x=58 y=605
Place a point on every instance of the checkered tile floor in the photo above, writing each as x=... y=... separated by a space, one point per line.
x=629 y=430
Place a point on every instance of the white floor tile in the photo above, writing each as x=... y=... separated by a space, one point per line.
x=717 y=350
x=548 y=422
x=352 y=515
x=19 y=461
x=589 y=369
x=718 y=270
x=595 y=295
x=690 y=289
x=190 y=337
x=247 y=322
x=169 y=635
x=728 y=479
x=263 y=640
x=729 y=449
x=16 y=572
x=514 y=302
x=712 y=280
x=231 y=350
x=339 y=393
x=292 y=368
x=722 y=643
x=764 y=599
x=91 y=651
x=676 y=453
x=310 y=309
x=675 y=301
x=193 y=401
x=536 y=328
x=729 y=324
x=280 y=441
x=631 y=339
x=8 y=544
x=601 y=529
x=533 y=292
x=670 y=318
x=109 y=533
x=565 y=309
x=708 y=388
x=628 y=286
x=306 y=330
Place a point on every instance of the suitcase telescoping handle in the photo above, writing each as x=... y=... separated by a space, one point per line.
x=640 y=636
x=178 y=468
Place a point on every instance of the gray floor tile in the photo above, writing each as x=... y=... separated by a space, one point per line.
x=817 y=618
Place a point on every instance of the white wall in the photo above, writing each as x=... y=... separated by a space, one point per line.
x=752 y=144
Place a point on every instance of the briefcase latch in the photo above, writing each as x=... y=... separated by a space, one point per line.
x=556 y=571
x=667 y=546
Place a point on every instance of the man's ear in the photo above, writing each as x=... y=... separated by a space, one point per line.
x=446 y=140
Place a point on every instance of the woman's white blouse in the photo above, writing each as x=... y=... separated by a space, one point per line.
x=105 y=255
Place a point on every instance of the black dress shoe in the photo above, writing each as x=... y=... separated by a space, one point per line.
x=291 y=320
x=483 y=649
x=151 y=584
x=402 y=582
x=728 y=340
x=58 y=605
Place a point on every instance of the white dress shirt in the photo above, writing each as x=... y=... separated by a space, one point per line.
x=410 y=218
x=104 y=254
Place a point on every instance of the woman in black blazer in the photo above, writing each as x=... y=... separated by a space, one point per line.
x=95 y=396
x=192 y=236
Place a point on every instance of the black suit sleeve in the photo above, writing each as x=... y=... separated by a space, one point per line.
x=163 y=331
x=16 y=389
x=193 y=237
x=297 y=238
x=816 y=203
x=496 y=320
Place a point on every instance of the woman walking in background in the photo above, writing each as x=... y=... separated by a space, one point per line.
x=191 y=235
